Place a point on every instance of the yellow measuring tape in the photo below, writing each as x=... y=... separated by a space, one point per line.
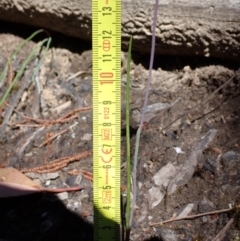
x=106 y=37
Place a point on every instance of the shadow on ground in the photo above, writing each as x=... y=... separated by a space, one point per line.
x=42 y=217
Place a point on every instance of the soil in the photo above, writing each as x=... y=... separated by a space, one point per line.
x=191 y=138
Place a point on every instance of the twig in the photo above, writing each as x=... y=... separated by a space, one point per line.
x=76 y=111
x=10 y=69
x=193 y=216
x=58 y=163
x=28 y=125
x=36 y=74
x=222 y=233
x=86 y=174
x=2 y=108
x=75 y=75
x=49 y=139
x=43 y=122
x=29 y=139
x=4 y=74
x=205 y=101
x=14 y=102
x=38 y=88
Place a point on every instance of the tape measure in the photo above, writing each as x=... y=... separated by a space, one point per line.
x=106 y=37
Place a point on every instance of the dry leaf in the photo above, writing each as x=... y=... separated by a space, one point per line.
x=13 y=183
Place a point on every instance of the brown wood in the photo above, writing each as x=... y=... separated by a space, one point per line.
x=185 y=27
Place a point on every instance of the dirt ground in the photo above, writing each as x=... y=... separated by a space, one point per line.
x=189 y=159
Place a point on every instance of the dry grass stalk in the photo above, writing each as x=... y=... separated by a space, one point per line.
x=42 y=122
x=87 y=175
x=58 y=163
x=173 y=219
x=52 y=137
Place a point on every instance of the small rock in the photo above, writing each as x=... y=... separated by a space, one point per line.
x=169 y=235
x=204 y=219
x=196 y=81
x=86 y=137
x=157 y=107
x=187 y=209
x=143 y=213
x=156 y=197
x=149 y=185
x=179 y=150
x=229 y=156
x=90 y=219
x=63 y=195
x=165 y=174
x=74 y=206
x=43 y=177
x=205 y=205
x=74 y=180
x=187 y=68
x=171 y=134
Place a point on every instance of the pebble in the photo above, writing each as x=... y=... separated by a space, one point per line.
x=74 y=180
x=169 y=235
x=90 y=219
x=63 y=195
x=229 y=156
x=187 y=68
x=187 y=209
x=149 y=185
x=44 y=177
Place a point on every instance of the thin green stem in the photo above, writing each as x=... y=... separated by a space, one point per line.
x=20 y=72
x=135 y=163
x=16 y=52
x=43 y=57
x=128 y=150
x=45 y=52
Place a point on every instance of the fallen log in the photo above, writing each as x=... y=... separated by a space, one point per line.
x=186 y=27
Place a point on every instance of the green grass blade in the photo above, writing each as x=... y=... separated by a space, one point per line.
x=135 y=161
x=43 y=56
x=20 y=72
x=128 y=207
x=45 y=51
x=16 y=52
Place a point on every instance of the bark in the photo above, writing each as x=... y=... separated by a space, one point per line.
x=185 y=27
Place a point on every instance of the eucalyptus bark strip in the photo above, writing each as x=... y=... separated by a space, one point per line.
x=186 y=27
